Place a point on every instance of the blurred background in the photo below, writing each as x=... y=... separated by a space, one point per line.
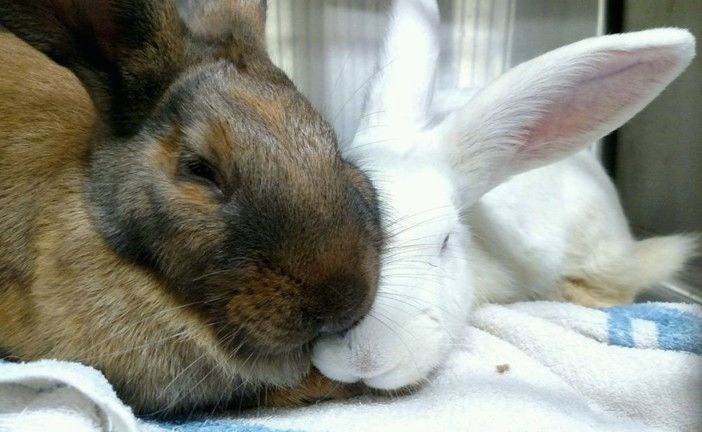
x=330 y=48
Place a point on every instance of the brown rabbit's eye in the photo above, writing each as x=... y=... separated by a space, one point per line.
x=203 y=171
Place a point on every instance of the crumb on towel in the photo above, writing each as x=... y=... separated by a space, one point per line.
x=502 y=368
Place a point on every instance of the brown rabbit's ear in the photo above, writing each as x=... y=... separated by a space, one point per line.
x=125 y=52
x=218 y=21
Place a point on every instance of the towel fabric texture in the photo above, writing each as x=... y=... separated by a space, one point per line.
x=533 y=366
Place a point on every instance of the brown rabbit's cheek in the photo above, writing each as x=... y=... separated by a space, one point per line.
x=265 y=314
x=196 y=197
x=197 y=230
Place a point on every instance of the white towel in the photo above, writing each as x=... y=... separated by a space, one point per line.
x=536 y=366
x=52 y=395
x=642 y=380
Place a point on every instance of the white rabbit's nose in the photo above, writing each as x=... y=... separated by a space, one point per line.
x=332 y=356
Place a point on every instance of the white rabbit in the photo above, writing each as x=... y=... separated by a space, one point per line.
x=431 y=169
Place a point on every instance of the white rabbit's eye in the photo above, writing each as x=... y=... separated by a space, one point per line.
x=444 y=244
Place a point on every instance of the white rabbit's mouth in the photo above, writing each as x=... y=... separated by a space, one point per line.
x=384 y=361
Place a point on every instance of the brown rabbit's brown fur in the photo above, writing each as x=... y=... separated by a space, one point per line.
x=69 y=290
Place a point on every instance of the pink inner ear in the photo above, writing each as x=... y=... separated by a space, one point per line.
x=605 y=93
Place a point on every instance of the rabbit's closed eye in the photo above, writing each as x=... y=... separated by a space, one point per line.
x=198 y=169
x=445 y=243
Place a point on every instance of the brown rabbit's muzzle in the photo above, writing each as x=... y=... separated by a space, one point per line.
x=270 y=311
x=292 y=270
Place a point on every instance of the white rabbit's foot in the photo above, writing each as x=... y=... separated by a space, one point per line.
x=384 y=355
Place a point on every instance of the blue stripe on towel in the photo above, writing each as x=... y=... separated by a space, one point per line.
x=214 y=426
x=619 y=329
x=677 y=330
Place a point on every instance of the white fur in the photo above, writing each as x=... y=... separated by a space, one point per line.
x=430 y=171
x=563 y=221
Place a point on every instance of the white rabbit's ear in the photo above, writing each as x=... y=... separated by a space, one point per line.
x=401 y=89
x=550 y=107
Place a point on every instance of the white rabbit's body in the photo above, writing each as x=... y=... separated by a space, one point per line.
x=524 y=225
x=559 y=233
x=542 y=229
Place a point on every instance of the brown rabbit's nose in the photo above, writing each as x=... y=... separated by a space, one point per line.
x=341 y=302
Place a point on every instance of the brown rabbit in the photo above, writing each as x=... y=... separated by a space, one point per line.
x=191 y=230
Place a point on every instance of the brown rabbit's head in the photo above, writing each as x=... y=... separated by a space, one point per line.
x=210 y=169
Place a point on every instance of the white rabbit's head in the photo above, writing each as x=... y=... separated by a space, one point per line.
x=428 y=168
